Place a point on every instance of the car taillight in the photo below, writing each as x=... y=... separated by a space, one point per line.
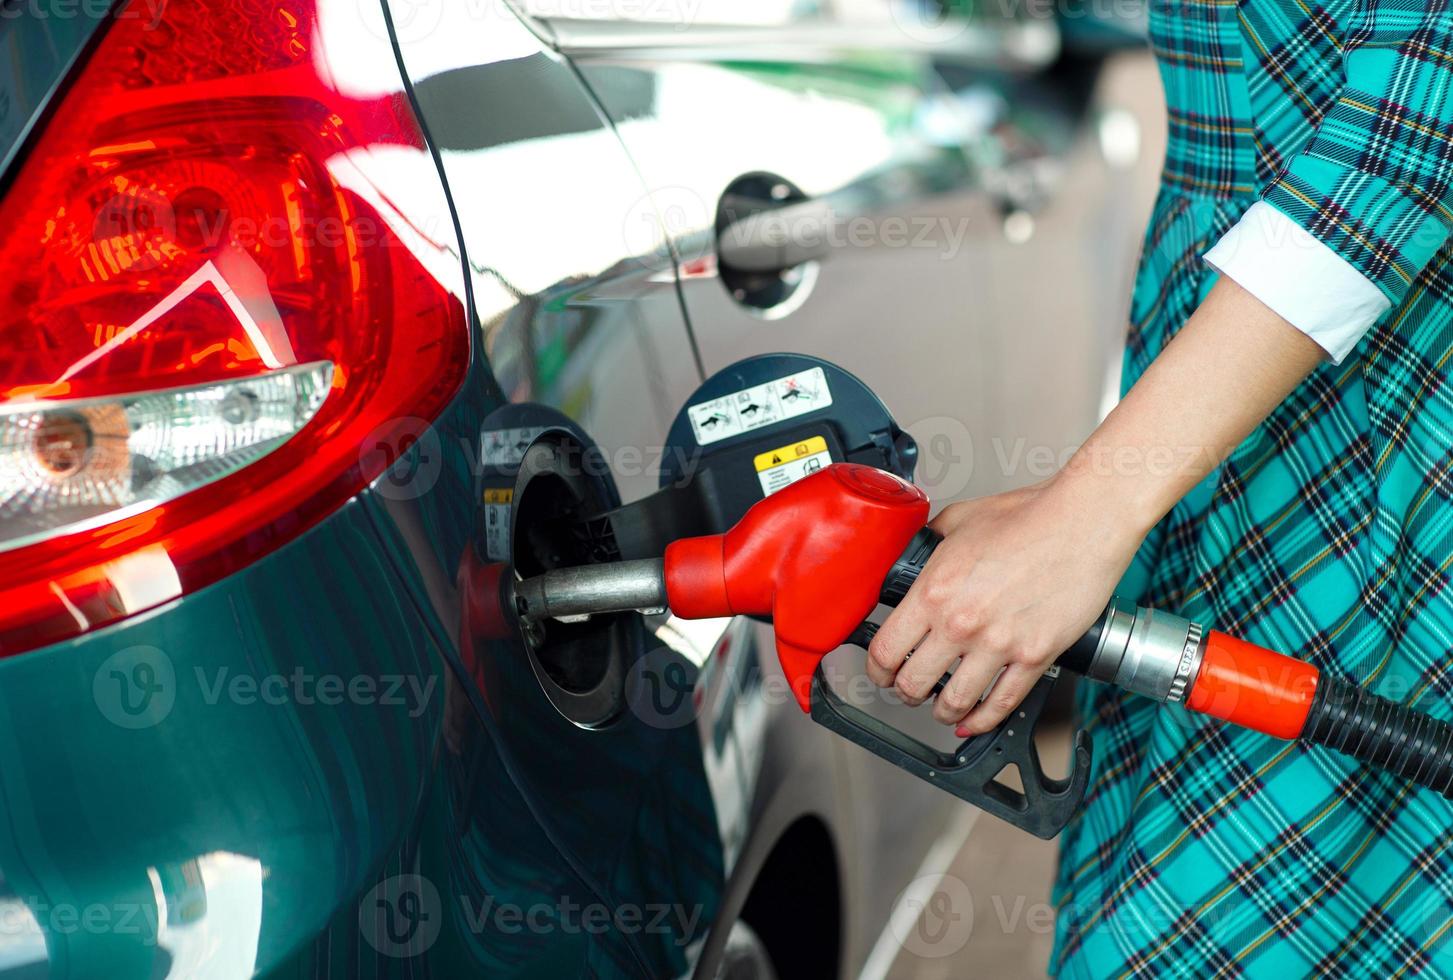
x=212 y=315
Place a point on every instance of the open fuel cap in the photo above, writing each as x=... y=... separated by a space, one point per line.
x=751 y=430
x=769 y=406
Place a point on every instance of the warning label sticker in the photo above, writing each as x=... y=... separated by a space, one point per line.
x=506 y=447
x=759 y=406
x=786 y=465
x=497 y=502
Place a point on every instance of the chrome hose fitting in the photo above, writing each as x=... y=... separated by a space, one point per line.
x=1147 y=651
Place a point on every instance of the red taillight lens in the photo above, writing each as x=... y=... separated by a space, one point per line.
x=215 y=312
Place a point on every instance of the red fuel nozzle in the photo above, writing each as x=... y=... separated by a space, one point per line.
x=818 y=556
x=811 y=556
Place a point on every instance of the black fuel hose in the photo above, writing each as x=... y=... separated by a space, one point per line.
x=1381 y=733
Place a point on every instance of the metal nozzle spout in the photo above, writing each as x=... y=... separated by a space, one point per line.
x=590 y=589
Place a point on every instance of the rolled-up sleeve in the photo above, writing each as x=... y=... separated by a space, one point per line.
x=1300 y=278
x=1374 y=184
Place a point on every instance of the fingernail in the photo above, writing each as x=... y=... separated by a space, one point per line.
x=962 y=732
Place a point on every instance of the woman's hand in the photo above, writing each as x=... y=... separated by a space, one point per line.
x=1021 y=575
x=1018 y=578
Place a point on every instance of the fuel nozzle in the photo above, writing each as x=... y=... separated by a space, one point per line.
x=818 y=556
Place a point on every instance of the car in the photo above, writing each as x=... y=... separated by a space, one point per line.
x=324 y=315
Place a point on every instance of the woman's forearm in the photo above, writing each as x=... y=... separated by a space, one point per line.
x=1020 y=575
x=1222 y=374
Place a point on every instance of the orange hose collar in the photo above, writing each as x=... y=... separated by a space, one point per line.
x=1253 y=687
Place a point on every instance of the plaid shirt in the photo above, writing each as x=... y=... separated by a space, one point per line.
x=1206 y=851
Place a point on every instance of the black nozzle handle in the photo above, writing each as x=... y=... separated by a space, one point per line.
x=970 y=772
x=905 y=572
x=906 y=569
x=1382 y=733
x=1043 y=804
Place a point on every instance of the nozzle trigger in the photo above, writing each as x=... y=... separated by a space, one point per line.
x=970 y=771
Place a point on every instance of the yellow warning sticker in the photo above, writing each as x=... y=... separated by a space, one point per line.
x=785 y=466
x=497 y=502
x=786 y=454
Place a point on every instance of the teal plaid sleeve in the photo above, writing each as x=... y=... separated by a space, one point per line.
x=1373 y=183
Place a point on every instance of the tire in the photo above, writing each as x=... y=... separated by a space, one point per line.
x=744 y=957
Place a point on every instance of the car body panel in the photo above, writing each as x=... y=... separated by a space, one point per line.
x=308 y=825
x=246 y=814
x=265 y=829
x=36 y=53
x=574 y=316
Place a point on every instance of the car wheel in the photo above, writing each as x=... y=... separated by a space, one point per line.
x=745 y=957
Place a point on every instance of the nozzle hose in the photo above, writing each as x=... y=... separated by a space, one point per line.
x=1381 y=733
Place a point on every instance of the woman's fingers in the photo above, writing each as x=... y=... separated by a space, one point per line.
x=900 y=633
x=1011 y=688
x=1015 y=580
x=961 y=694
x=948 y=519
x=930 y=660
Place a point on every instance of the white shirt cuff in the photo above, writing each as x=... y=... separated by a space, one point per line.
x=1306 y=283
